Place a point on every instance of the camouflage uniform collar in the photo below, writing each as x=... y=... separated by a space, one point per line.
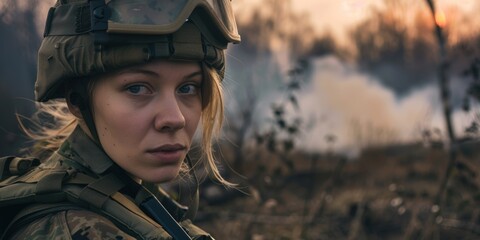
x=81 y=149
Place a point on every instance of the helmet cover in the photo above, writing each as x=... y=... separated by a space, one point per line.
x=77 y=45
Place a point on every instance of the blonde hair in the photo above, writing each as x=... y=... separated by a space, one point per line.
x=48 y=127
x=60 y=124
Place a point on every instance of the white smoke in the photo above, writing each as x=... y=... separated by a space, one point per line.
x=359 y=112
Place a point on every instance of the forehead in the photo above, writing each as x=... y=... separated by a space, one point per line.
x=165 y=67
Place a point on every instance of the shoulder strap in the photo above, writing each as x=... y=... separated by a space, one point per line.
x=57 y=189
x=160 y=214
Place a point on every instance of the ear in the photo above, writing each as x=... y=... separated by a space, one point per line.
x=74 y=103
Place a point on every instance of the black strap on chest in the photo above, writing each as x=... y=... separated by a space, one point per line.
x=154 y=209
x=149 y=204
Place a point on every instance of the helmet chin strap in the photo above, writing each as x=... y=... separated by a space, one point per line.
x=79 y=97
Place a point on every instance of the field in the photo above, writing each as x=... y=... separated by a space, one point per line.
x=385 y=193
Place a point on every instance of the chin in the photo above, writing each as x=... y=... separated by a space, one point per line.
x=161 y=176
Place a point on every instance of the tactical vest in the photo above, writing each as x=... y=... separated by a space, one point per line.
x=29 y=191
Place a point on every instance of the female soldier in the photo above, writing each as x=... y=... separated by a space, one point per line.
x=136 y=77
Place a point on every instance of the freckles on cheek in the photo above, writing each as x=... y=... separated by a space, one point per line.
x=119 y=124
x=104 y=117
x=106 y=135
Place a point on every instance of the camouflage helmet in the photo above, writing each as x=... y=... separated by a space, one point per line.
x=87 y=37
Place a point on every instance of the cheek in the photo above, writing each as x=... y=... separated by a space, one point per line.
x=192 y=117
x=117 y=123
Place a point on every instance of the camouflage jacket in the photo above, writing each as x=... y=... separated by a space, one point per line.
x=112 y=214
x=71 y=224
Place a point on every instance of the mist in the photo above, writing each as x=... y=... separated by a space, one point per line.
x=360 y=112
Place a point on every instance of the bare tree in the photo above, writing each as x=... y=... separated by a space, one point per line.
x=447 y=114
x=391 y=48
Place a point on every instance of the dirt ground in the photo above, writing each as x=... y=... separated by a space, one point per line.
x=386 y=193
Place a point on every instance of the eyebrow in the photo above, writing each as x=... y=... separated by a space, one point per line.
x=194 y=74
x=139 y=70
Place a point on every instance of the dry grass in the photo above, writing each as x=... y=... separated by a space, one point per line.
x=386 y=193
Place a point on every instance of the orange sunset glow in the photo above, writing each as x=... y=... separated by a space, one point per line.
x=440 y=19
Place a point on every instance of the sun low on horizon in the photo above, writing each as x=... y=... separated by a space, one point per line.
x=338 y=17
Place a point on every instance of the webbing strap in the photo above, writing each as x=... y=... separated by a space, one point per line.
x=187 y=43
x=80 y=98
x=160 y=214
x=80 y=178
x=51 y=183
x=99 y=191
x=49 y=188
x=128 y=204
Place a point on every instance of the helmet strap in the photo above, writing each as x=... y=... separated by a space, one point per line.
x=80 y=98
x=88 y=118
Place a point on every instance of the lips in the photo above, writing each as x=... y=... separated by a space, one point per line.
x=168 y=153
x=168 y=148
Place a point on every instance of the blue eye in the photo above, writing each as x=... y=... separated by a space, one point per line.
x=188 y=89
x=137 y=89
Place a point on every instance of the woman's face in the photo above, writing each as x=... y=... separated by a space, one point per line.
x=146 y=117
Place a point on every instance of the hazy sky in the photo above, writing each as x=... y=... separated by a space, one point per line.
x=338 y=15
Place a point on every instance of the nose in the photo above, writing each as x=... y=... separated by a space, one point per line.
x=169 y=117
